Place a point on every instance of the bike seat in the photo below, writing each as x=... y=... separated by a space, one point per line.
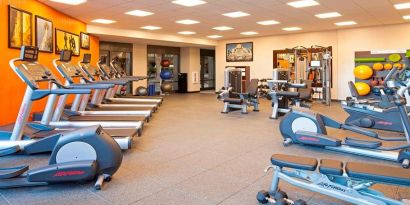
x=363 y=143
x=7 y=173
x=282 y=160
x=380 y=173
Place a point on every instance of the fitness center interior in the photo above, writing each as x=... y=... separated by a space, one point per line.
x=284 y=102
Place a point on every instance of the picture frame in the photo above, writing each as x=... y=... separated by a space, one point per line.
x=85 y=40
x=65 y=40
x=239 y=52
x=44 y=34
x=20 y=28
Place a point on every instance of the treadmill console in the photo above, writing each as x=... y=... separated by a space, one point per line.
x=32 y=72
x=65 y=55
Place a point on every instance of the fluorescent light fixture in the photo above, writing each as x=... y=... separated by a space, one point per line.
x=139 y=13
x=70 y=2
x=187 y=22
x=189 y=3
x=151 y=28
x=292 y=29
x=236 y=14
x=214 y=36
x=328 y=15
x=222 y=28
x=103 y=21
x=303 y=3
x=402 y=6
x=267 y=22
x=187 y=32
x=249 y=33
x=345 y=23
x=407 y=17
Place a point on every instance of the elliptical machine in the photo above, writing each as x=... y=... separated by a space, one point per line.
x=302 y=126
x=81 y=155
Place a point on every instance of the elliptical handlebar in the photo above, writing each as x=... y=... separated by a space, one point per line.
x=390 y=75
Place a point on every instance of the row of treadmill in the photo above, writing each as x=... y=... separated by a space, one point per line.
x=348 y=181
x=85 y=138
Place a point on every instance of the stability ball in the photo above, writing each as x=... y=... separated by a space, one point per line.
x=378 y=66
x=141 y=91
x=398 y=65
x=388 y=66
x=165 y=63
x=166 y=87
x=165 y=74
x=362 y=88
x=363 y=72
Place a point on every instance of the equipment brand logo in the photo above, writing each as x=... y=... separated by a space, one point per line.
x=331 y=186
x=305 y=138
x=68 y=173
x=384 y=123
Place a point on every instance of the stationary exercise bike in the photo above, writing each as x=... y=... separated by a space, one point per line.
x=302 y=126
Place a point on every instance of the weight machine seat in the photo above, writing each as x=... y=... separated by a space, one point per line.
x=380 y=173
x=306 y=93
x=233 y=100
x=331 y=167
x=253 y=87
x=287 y=94
x=282 y=160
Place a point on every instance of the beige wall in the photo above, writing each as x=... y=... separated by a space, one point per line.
x=190 y=63
x=139 y=63
x=344 y=42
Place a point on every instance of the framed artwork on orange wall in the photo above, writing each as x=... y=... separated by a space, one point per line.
x=67 y=41
x=20 y=28
x=85 y=40
x=44 y=34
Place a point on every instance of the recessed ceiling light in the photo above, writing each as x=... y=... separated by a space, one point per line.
x=215 y=36
x=407 y=17
x=151 y=27
x=103 y=21
x=303 y=3
x=139 y=13
x=292 y=29
x=187 y=32
x=328 y=15
x=268 y=22
x=248 y=33
x=222 y=28
x=236 y=14
x=345 y=23
x=187 y=22
x=189 y=3
x=71 y=2
x=402 y=6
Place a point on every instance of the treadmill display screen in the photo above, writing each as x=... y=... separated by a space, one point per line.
x=65 y=55
x=87 y=58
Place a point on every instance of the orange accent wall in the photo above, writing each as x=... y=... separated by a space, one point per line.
x=11 y=87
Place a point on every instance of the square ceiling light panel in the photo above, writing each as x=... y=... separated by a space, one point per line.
x=303 y=3
x=236 y=14
x=70 y=2
x=189 y=3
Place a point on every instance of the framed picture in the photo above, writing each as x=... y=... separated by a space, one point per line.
x=67 y=41
x=85 y=40
x=44 y=34
x=239 y=52
x=20 y=28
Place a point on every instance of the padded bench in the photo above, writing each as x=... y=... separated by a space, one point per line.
x=363 y=171
x=233 y=100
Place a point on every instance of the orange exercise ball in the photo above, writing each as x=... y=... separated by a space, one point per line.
x=378 y=66
x=362 y=88
x=363 y=72
x=398 y=65
x=388 y=66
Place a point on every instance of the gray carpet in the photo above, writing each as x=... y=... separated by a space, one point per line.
x=192 y=154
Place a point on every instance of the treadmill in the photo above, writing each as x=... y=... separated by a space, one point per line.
x=71 y=72
x=110 y=73
x=31 y=138
x=93 y=74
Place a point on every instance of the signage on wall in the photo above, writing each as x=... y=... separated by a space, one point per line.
x=195 y=77
x=388 y=51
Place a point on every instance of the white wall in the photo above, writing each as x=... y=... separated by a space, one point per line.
x=139 y=63
x=344 y=42
x=190 y=63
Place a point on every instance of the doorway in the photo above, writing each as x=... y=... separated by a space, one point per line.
x=207 y=69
